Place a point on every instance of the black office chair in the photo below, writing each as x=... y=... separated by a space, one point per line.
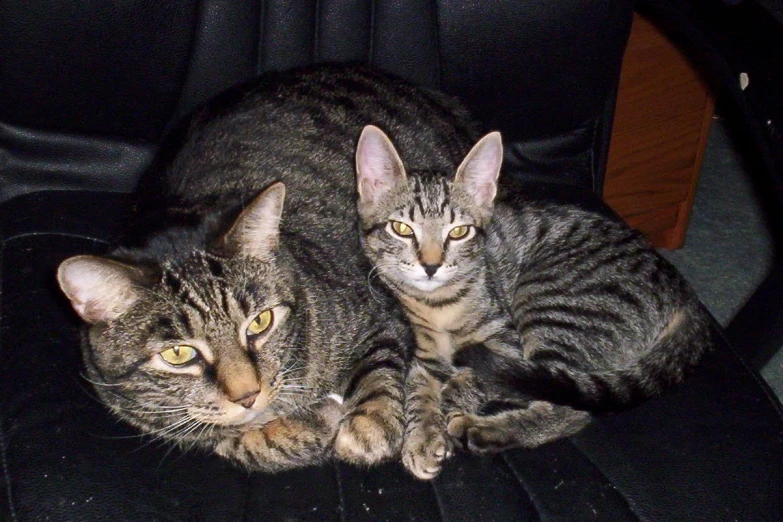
x=88 y=90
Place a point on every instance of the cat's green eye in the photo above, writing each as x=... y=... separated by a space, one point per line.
x=260 y=324
x=459 y=232
x=179 y=355
x=401 y=229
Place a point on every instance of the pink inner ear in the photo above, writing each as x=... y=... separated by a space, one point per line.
x=99 y=290
x=96 y=302
x=81 y=309
x=377 y=163
x=485 y=193
x=373 y=188
x=484 y=167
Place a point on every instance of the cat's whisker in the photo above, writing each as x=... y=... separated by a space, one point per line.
x=152 y=409
x=178 y=440
x=157 y=434
x=375 y=273
x=294 y=389
x=144 y=409
x=286 y=400
x=154 y=433
x=96 y=383
x=197 y=437
x=158 y=415
x=173 y=436
x=286 y=371
x=145 y=405
x=293 y=393
x=139 y=406
x=185 y=432
x=171 y=444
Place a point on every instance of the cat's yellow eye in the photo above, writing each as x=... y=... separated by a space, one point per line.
x=401 y=229
x=179 y=355
x=459 y=232
x=260 y=324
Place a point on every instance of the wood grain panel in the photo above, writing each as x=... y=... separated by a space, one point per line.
x=655 y=221
x=662 y=118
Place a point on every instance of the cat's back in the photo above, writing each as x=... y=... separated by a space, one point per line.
x=574 y=254
x=301 y=127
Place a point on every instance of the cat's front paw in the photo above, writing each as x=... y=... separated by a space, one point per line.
x=477 y=434
x=425 y=449
x=368 y=437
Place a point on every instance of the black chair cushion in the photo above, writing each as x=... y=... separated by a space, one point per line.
x=709 y=449
x=86 y=87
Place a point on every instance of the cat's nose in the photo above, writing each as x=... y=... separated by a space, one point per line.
x=430 y=269
x=247 y=399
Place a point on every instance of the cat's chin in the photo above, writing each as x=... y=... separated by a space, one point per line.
x=426 y=285
x=260 y=417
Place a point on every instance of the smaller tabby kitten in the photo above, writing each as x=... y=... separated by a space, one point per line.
x=553 y=311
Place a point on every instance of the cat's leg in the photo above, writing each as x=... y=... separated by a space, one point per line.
x=372 y=429
x=426 y=444
x=524 y=423
x=286 y=442
x=539 y=423
x=464 y=393
x=468 y=391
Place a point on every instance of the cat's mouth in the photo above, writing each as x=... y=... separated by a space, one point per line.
x=261 y=416
x=426 y=284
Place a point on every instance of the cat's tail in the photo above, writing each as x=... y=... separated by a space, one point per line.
x=670 y=358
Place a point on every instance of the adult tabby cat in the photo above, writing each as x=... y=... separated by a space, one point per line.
x=554 y=311
x=230 y=331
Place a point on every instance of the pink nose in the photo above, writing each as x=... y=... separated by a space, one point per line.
x=247 y=399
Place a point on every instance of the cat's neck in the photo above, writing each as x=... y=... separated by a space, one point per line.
x=443 y=309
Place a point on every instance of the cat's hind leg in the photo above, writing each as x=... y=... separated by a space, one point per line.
x=537 y=424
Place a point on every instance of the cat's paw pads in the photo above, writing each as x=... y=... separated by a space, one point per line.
x=366 y=439
x=424 y=452
x=472 y=433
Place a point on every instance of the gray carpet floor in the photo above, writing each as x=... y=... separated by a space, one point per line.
x=728 y=249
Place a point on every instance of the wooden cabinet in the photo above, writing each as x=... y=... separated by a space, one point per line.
x=663 y=115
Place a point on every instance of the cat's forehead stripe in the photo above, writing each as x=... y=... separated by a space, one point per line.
x=430 y=196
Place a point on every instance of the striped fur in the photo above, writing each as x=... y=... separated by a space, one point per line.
x=195 y=271
x=548 y=312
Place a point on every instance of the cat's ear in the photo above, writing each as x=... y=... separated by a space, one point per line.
x=100 y=289
x=378 y=166
x=480 y=169
x=256 y=232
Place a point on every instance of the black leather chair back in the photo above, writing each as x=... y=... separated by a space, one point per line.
x=88 y=88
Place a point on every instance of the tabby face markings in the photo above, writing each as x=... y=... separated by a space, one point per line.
x=422 y=229
x=225 y=366
x=206 y=336
x=430 y=250
x=259 y=326
x=188 y=356
x=241 y=358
